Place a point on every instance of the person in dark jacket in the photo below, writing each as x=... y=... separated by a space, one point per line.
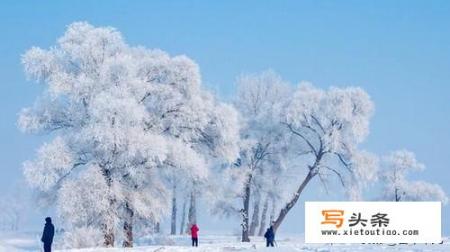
x=47 y=235
x=270 y=237
x=194 y=235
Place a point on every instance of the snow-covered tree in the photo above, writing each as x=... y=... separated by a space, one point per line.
x=424 y=191
x=178 y=178
x=120 y=117
x=259 y=101
x=286 y=129
x=195 y=119
x=396 y=186
x=273 y=188
x=93 y=109
x=326 y=127
x=225 y=191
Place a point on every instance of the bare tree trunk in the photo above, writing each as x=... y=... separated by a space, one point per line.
x=263 y=217
x=397 y=196
x=183 y=216
x=255 y=217
x=108 y=235
x=128 y=227
x=290 y=204
x=192 y=214
x=173 y=226
x=157 y=227
x=108 y=226
x=245 y=210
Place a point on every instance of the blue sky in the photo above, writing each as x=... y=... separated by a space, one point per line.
x=398 y=51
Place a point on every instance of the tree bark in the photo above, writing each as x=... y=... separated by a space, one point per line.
x=263 y=218
x=290 y=204
x=183 y=216
x=245 y=211
x=108 y=235
x=108 y=225
x=128 y=227
x=255 y=217
x=173 y=226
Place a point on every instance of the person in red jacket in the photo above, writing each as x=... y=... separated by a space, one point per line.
x=194 y=235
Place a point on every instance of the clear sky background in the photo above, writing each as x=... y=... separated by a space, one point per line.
x=398 y=51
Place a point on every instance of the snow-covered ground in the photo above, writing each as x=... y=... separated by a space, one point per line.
x=25 y=241
x=211 y=243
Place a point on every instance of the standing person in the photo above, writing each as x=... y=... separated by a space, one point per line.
x=270 y=237
x=47 y=235
x=194 y=235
